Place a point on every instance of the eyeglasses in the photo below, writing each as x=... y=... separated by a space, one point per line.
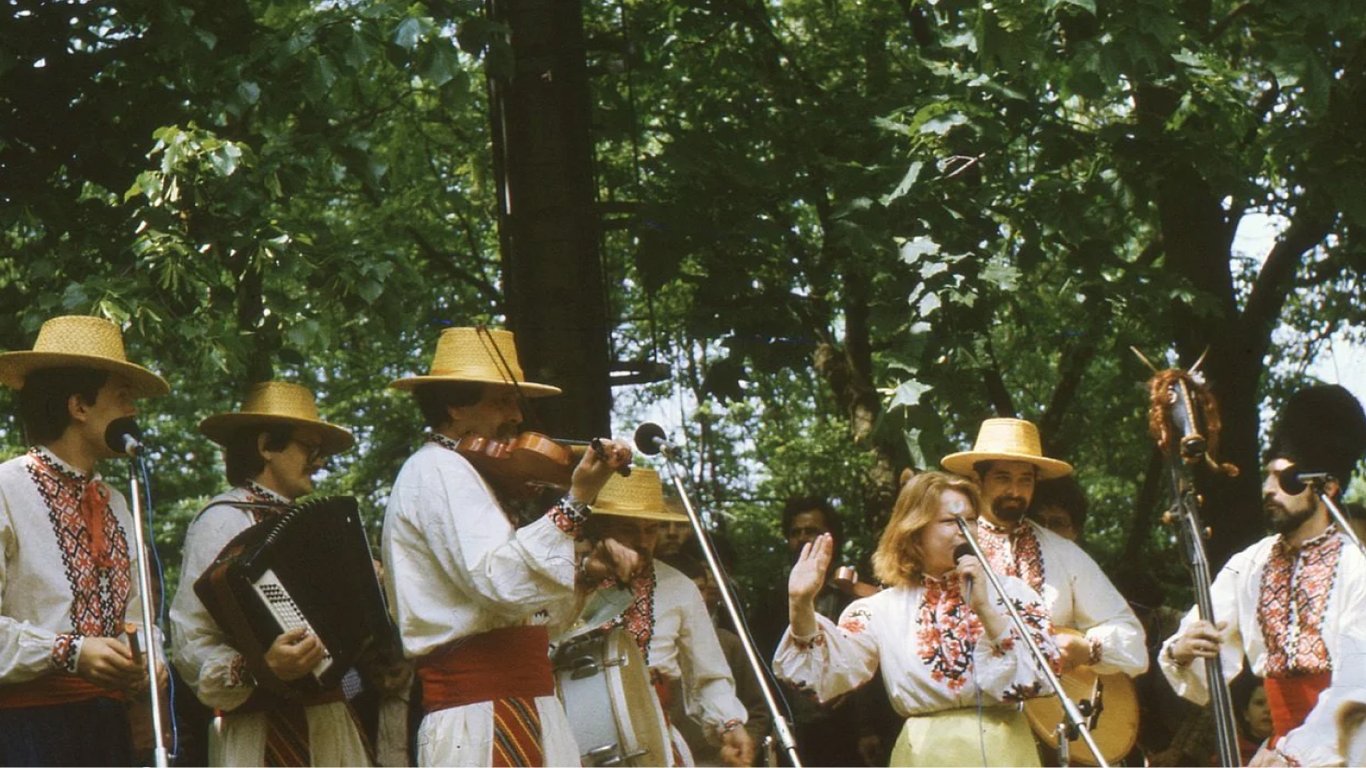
x=315 y=451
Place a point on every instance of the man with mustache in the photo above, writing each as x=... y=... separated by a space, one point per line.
x=1008 y=461
x=472 y=593
x=1290 y=602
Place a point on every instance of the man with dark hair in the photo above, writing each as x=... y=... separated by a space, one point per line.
x=1060 y=506
x=1008 y=461
x=272 y=448
x=472 y=593
x=68 y=564
x=1290 y=602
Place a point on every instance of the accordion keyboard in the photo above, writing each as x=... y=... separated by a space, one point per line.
x=287 y=613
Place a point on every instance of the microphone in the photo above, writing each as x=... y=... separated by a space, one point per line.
x=964 y=550
x=1294 y=480
x=123 y=435
x=651 y=438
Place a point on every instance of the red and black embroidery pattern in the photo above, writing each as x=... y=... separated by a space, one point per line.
x=948 y=631
x=639 y=617
x=1013 y=553
x=93 y=547
x=1294 y=594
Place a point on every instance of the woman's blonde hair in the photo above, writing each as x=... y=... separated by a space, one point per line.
x=899 y=559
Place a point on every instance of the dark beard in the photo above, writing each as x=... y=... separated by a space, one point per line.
x=1009 y=508
x=1282 y=520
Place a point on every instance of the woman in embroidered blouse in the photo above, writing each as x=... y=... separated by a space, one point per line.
x=953 y=663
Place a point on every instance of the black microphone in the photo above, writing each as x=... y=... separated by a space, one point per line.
x=1293 y=480
x=964 y=550
x=651 y=438
x=123 y=435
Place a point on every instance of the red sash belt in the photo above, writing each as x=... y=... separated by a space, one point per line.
x=52 y=689
x=1291 y=699
x=498 y=664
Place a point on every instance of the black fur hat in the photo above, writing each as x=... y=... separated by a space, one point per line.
x=1321 y=429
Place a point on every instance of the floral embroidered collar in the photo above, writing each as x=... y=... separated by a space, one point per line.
x=1296 y=584
x=442 y=440
x=262 y=495
x=948 y=631
x=59 y=467
x=1014 y=552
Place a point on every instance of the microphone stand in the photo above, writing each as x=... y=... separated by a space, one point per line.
x=761 y=674
x=1075 y=724
x=1335 y=511
x=148 y=618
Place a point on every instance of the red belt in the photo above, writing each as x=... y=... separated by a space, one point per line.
x=499 y=664
x=1291 y=699
x=52 y=689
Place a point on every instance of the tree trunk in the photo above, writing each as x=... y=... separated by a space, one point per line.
x=547 y=225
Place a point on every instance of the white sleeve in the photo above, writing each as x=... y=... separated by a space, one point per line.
x=836 y=660
x=708 y=685
x=1105 y=616
x=1189 y=681
x=25 y=650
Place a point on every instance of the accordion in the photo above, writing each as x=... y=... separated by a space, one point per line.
x=309 y=566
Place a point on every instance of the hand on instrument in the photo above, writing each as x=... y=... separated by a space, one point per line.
x=1200 y=640
x=593 y=470
x=1075 y=650
x=109 y=663
x=610 y=558
x=294 y=654
x=737 y=748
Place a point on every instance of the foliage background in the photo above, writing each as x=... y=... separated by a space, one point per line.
x=851 y=230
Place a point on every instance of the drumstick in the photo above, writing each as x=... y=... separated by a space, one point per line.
x=131 y=629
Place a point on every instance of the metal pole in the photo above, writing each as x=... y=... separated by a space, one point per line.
x=148 y=615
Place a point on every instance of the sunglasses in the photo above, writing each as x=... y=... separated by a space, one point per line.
x=315 y=452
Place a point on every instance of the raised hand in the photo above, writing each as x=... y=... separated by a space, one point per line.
x=593 y=469
x=805 y=582
x=610 y=557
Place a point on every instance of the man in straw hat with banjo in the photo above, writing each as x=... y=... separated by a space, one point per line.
x=272 y=447
x=68 y=561
x=471 y=593
x=669 y=620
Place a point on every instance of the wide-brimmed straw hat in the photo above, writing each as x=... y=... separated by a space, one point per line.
x=80 y=341
x=1007 y=440
x=277 y=402
x=636 y=495
x=480 y=355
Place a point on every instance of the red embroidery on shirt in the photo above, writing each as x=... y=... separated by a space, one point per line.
x=948 y=632
x=639 y=617
x=1294 y=595
x=1015 y=553
x=100 y=583
x=856 y=621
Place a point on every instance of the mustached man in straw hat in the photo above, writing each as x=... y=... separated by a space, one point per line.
x=669 y=620
x=67 y=555
x=272 y=447
x=1294 y=603
x=472 y=594
x=1008 y=462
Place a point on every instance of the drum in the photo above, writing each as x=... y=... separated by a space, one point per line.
x=613 y=711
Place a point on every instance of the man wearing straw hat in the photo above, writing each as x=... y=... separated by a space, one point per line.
x=669 y=619
x=472 y=594
x=67 y=560
x=272 y=448
x=1008 y=461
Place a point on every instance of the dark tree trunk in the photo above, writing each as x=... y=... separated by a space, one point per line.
x=547 y=224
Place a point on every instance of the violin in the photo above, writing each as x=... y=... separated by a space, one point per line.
x=528 y=461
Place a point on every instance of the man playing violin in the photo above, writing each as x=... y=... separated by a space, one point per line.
x=1294 y=603
x=472 y=594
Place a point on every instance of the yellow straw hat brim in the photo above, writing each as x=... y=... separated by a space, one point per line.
x=80 y=341
x=964 y=463
x=530 y=389
x=273 y=403
x=1006 y=439
x=479 y=356
x=638 y=495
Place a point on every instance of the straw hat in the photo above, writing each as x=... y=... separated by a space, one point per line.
x=636 y=495
x=481 y=355
x=79 y=341
x=1007 y=440
x=277 y=402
